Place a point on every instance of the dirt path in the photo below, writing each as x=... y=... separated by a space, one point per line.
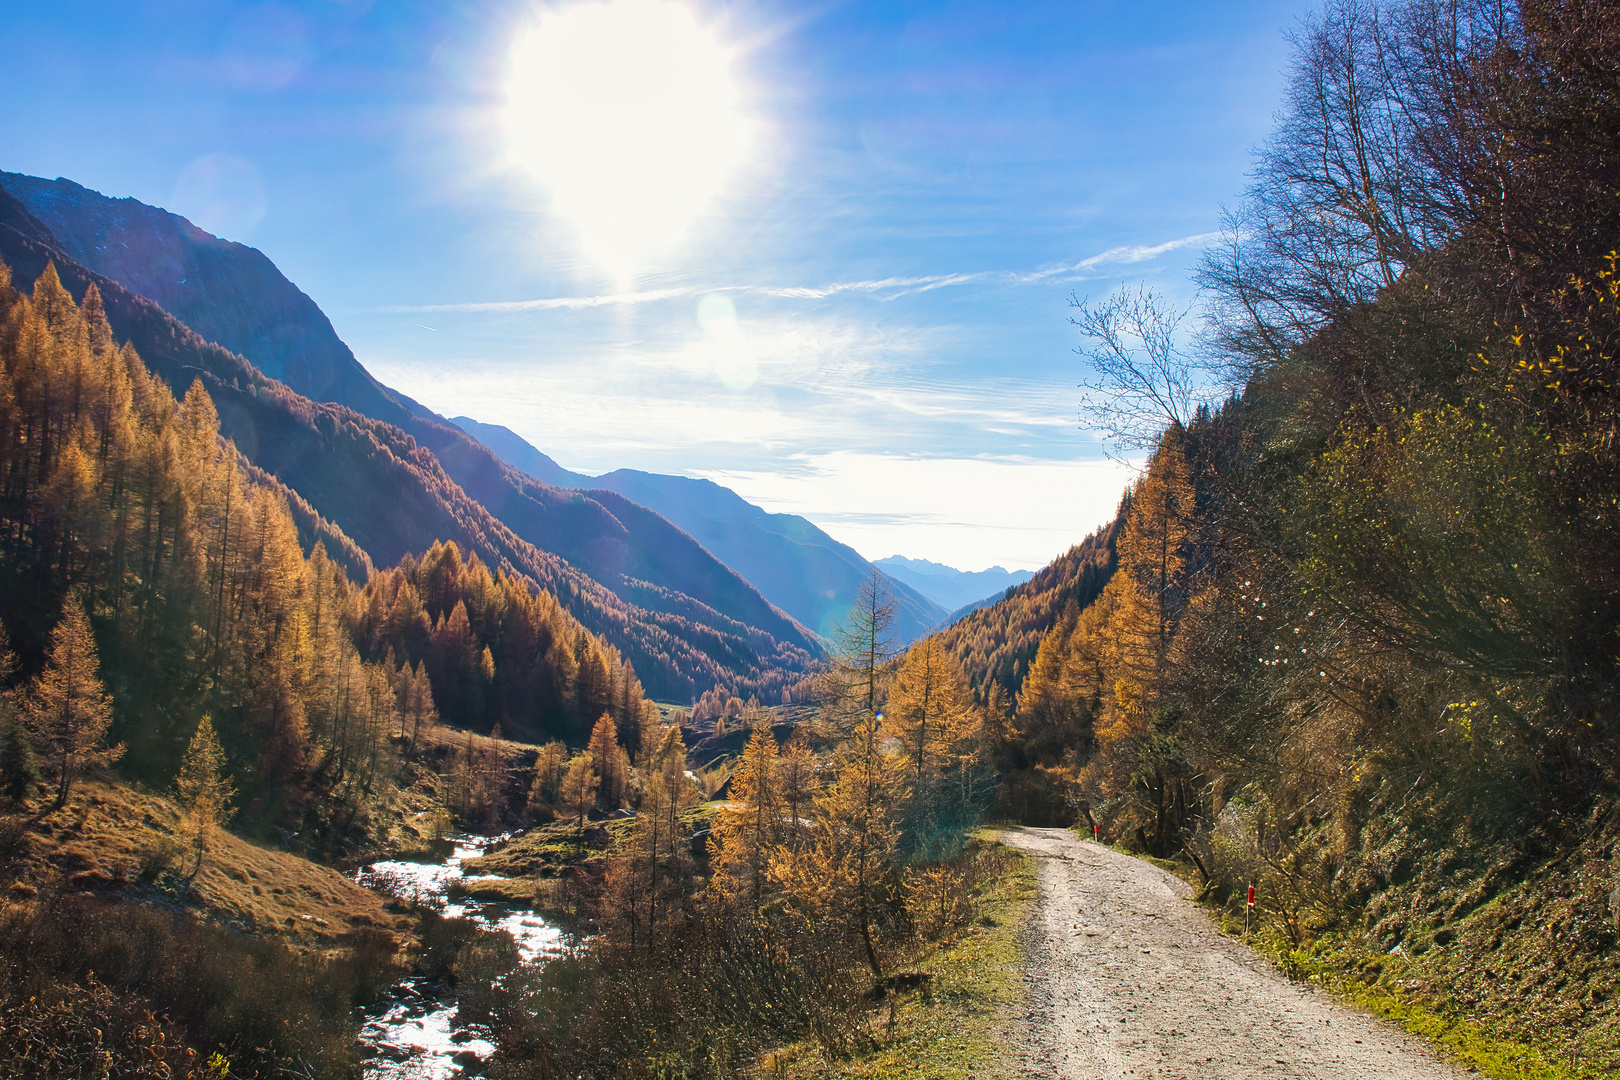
x=1128 y=980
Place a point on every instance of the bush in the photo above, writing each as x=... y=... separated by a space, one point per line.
x=72 y=966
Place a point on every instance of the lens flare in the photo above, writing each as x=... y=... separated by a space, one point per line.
x=628 y=113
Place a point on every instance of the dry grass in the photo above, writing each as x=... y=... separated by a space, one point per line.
x=112 y=839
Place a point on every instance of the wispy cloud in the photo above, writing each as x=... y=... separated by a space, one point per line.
x=550 y=303
x=1124 y=255
x=899 y=286
x=889 y=288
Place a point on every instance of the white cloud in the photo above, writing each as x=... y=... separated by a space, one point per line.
x=888 y=288
x=964 y=512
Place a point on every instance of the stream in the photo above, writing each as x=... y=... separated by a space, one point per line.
x=411 y=1033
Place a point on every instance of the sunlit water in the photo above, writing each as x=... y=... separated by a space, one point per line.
x=411 y=1034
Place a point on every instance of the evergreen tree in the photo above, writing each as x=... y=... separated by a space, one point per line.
x=68 y=710
x=19 y=769
x=747 y=833
x=204 y=791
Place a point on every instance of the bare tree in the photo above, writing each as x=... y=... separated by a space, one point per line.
x=1364 y=177
x=865 y=647
x=1144 y=381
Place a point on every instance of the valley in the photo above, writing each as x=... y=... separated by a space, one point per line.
x=342 y=739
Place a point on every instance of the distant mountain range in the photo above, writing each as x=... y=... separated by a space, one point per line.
x=696 y=586
x=798 y=567
x=948 y=587
x=376 y=468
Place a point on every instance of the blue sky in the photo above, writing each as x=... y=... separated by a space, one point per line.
x=866 y=323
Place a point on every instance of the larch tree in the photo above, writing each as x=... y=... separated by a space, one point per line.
x=546 y=789
x=748 y=832
x=1153 y=552
x=205 y=792
x=650 y=869
x=865 y=646
x=68 y=710
x=796 y=773
x=19 y=770
x=846 y=875
x=929 y=710
x=608 y=760
x=580 y=784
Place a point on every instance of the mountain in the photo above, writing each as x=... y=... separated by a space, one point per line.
x=794 y=564
x=952 y=589
x=996 y=644
x=229 y=293
x=686 y=621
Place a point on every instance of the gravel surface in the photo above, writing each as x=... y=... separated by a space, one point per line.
x=1129 y=980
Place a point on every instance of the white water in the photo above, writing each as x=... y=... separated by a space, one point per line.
x=411 y=1034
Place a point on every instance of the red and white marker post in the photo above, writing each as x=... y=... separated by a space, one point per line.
x=1248 y=911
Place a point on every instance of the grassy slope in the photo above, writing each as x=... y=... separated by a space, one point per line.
x=956 y=1029
x=107 y=840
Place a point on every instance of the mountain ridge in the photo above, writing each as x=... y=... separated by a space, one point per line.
x=953 y=589
x=391 y=494
x=788 y=558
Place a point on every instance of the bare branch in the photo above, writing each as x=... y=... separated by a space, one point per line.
x=1144 y=382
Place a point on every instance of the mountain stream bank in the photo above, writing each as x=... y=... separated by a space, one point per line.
x=411 y=1034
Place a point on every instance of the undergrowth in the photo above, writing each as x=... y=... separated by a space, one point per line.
x=949 y=1026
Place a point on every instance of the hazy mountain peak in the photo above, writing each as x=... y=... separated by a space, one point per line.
x=947 y=586
x=796 y=565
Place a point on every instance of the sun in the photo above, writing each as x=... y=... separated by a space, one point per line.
x=627 y=111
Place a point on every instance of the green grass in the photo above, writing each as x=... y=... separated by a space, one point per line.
x=1411 y=993
x=955 y=1029
x=1340 y=966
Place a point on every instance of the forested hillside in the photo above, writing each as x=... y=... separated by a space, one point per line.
x=1360 y=648
x=801 y=569
x=132 y=528
x=393 y=495
x=996 y=644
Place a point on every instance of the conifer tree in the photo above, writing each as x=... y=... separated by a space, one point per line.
x=204 y=791
x=1153 y=553
x=580 y=784
x=930 y=712
x=546 y=789
x=650 y=870
x=865 y=646
x=748 y=832
x=796 y=770
x=19 y=770
x=844 y=877
x=68 y=710
x=608 y=761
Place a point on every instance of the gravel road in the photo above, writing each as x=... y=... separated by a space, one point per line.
x=1129 y=980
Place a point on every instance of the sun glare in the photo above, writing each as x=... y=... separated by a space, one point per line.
x=628 y=112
